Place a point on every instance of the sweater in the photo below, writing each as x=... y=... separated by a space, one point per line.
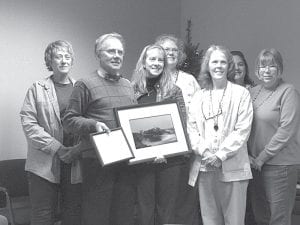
x=94 y=99
x=274 y=138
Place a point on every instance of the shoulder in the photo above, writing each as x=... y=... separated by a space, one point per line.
x=197 y=99
x=288 y=90
x=255 y=89
x=283 y=86
x=90 y=77
x=88 y=81
x=189 y=78
x=237 y=88
x=185 y=74
x=125 y=81
x=44 y=83
x=199 y=95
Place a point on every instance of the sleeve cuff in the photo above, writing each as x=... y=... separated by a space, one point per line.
x=221 y=155
x=203 y=149
x=53 y=147
x=263 y=157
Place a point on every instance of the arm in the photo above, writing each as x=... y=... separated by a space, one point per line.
x=288 y=126
x=239 y=136
x=179 y=97
x=74 y=120
x=34 y=132
x=197 y=141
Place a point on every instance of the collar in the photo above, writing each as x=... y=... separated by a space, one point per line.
x=107 y=76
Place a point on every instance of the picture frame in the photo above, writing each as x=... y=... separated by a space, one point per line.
x=153 y=129
x=112 y=147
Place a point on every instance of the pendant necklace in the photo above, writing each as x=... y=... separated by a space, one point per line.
x=219 y=111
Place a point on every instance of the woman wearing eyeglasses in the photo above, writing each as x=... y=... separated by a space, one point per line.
x=273 y=144
x=187 y=208
x=219 y=125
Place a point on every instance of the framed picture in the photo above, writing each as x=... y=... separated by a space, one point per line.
x=113 y=147
x=153 y=130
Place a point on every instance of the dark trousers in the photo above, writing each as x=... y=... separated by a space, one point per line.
x=273 y=192
x=45 y=197
x=157 y=188
x=123 y=210
x=164 y=195
x=187 y=209
x=97 y=188
x=71 y=198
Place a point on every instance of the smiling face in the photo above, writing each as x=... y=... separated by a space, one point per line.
x=154 y=62
x=218 y=66
x=61 y=62
x=111 y=55
x=269 y=73
x=171 y=50
x=240 y=68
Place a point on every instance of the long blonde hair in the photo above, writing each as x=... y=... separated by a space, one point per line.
x=140 y=74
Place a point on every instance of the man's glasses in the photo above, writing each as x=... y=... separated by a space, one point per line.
x=114 y=52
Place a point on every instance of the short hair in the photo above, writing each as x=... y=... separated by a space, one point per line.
x=55 y=46
x=269 y=57
x=178 y=42
x=247 y=79
x=100 y=40
x=204 y=77
x=139 y=77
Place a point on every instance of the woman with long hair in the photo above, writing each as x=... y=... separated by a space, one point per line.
x=219 y=125
x=187 y=205
x=157 y=181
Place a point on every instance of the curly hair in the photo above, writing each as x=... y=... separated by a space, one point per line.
x=179 y=43
x=55 y=46
x=204 y=77
x=139 y=77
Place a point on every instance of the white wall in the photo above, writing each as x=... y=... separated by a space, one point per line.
x=27 y=26
x=249 y=26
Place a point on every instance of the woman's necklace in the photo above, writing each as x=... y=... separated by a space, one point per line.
x=262 y=102
x=219 y=111
x=175 y=76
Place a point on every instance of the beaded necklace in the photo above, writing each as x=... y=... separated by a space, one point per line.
x=262 y=102
x=219 y=111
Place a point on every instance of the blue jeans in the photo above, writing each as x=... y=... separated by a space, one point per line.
x=273 y=192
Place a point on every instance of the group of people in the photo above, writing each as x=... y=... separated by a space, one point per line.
x=237 y=131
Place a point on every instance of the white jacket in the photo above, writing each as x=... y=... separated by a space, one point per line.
x=237 y=115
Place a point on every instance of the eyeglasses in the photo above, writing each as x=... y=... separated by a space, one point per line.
x=114 y=52
x=171 y=50
x=271 y=67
